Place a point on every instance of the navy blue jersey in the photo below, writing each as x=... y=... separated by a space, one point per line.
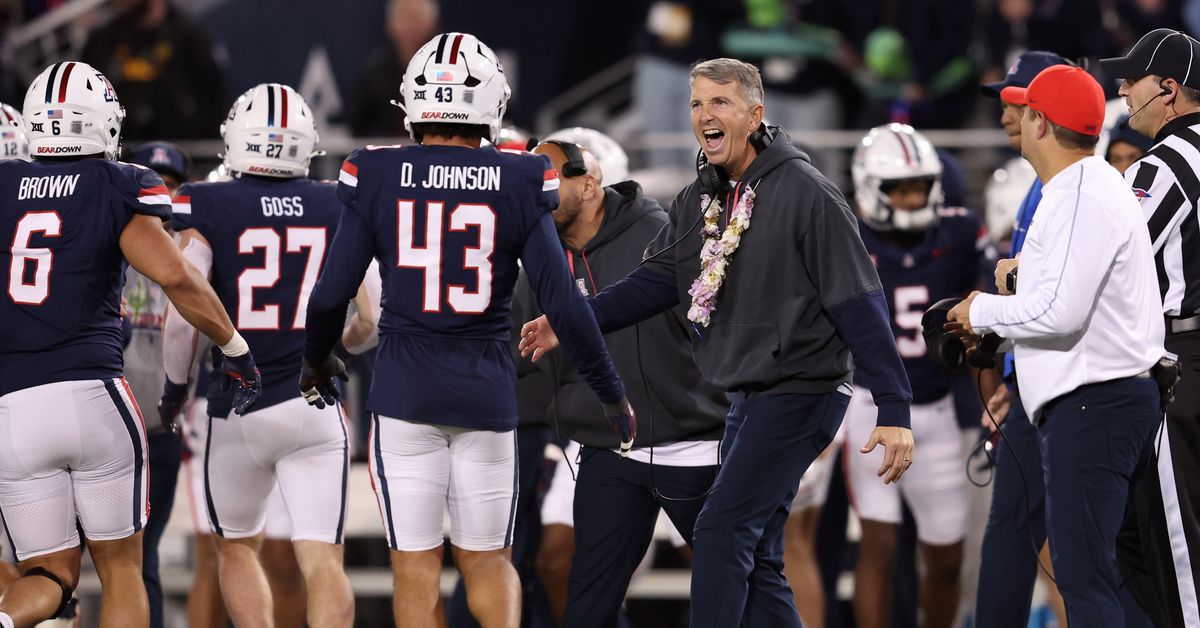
x=448 y=225
x=945 y=263
x=60 y=257
x=269 y=238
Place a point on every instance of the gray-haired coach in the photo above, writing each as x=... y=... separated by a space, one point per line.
x=1087 y=329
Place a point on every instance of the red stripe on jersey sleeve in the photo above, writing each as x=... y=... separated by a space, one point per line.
x=183 y=200
x=550 y=175
x=154 y=191
x=350 y=168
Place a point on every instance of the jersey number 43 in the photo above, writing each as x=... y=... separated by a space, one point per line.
x=429 y=257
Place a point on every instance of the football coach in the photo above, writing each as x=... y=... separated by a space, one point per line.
x=1086 y=326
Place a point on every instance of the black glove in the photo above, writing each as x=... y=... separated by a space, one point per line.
x=241 y=369
x=316 y=381
x=624 y=423
x=173 y=397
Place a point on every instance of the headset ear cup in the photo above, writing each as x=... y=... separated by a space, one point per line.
x=951 y=351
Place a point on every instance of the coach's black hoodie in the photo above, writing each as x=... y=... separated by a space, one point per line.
x=673 y=402
x=799 y=296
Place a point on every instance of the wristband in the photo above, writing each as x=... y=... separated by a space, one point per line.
x=236 y=346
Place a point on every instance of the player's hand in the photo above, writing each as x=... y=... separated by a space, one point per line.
x=241 y=371
x=998 y=407
x=1003 y=267
x=173 y=397
x=316 y=381
x=624 y=423
x=898 y=451
x=537 y=338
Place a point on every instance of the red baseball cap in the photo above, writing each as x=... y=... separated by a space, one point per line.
x=1067 y=95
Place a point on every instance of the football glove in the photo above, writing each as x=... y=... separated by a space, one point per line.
x=624 y=423
x=316 y=381
x=242 y=372
x=173 y=397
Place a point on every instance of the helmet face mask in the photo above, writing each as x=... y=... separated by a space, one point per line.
x=269 y=132
x=71 y=109
x=14 y=144
x=887 y=155
x=455 y=79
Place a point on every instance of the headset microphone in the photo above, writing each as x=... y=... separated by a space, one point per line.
x=1166 y=91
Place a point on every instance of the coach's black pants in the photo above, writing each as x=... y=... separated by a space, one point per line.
x=1092 y=439
x=1159 y=549
x=615 y=512
x=737 y=572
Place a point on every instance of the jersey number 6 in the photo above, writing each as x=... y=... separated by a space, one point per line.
x=429 y=257
x=50 y=226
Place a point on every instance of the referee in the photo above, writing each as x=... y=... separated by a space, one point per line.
x=1160 y=548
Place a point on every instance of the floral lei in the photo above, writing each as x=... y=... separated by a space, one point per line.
x=718 y=248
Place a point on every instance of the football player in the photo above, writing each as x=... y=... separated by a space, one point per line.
x=924 y=253
x=75 y=444
x=448 y=221
x=261 y=238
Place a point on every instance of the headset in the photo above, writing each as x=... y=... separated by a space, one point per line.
x=713 y=178
x=1166 y=91
x=574 y=166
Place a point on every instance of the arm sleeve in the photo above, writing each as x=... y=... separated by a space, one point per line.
x=649 y=290
x=345 y=264
x=568 y=312
x=145 y=192
x=179 y=338
x=1073 y=254
x=839 y=266
x=864 y=324
x=641 y=294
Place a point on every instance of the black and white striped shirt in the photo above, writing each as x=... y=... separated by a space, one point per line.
x=1167 y=183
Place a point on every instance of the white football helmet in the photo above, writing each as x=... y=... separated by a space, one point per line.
x=455 y=78
x=71 y=109
x=614 y=163
x=14 y=144
x=890 y=153
x=270 y=132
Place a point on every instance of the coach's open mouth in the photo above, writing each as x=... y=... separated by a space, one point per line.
x=713 y=139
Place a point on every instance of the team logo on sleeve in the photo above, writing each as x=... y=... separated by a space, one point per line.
x=1141 y=194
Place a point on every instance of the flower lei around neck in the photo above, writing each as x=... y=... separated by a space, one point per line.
x=719 y=246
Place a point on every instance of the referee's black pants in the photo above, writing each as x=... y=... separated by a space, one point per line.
x=1092 y=440
x=616 y=508
x=1159 y=549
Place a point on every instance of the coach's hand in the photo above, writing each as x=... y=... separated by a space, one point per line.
x=997 y=408
x=898 y=451
x=241 y=370
x=316 y=381
x=624 y=423
x=173 y=397
x=537 y=338
x=1003 y=267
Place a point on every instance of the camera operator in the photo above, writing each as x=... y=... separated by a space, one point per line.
x=1086 y=330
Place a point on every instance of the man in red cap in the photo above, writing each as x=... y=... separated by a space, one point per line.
x=1086 y=332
